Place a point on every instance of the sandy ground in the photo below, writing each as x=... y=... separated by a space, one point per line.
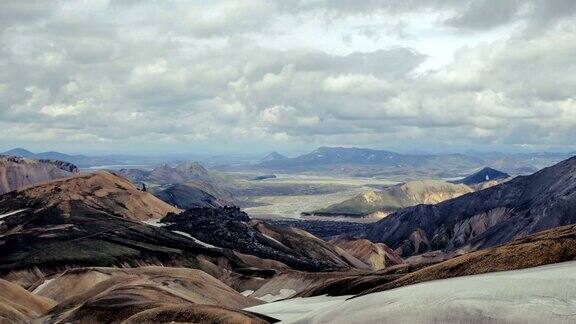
x=292 y=206
x=544 y=294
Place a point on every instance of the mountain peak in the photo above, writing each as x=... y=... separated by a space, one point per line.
x=20 y=152
x=274 y=156
x=485 y=174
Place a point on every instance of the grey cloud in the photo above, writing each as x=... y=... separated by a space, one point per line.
x=486 y=14
x=94 y=80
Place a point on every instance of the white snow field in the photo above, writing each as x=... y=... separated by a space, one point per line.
x=544 y=294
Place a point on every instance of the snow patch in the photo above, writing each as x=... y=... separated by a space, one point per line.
x=247 y=292
x=291 y=309
x=41 y=286
x=154 y=222
x=195 y=239
x=544 y=294
x=284 y=293
x=12 y=213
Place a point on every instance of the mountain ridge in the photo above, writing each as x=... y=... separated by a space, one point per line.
x=489 y=217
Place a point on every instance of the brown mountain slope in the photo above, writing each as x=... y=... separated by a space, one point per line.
x=17 y=173
x=547 y=247
x=113 y=295
x=17 y=305
x=376 y=255
x=197 y=314
x=101 y=191
x=396 y=197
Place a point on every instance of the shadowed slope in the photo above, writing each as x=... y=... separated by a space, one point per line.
x=519 y=207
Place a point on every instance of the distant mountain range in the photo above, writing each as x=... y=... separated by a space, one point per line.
x=341 y=160
x=85 y=161
x=274 y=156
x=369 y=162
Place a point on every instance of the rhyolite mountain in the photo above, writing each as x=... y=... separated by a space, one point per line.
x=230 y=228
x=274 y=156
x=98 y=219
x=383 y=202
x=148 y=294
x=162 y=179
x=483 y=175
x=17 y=172
x=185 y=196
x=377 y=255
x=486 y=218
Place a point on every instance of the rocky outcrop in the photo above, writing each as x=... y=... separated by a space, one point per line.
x=17 y=173
x=486 y=218
x=228 y=227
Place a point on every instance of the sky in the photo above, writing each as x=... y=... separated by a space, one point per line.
x=250 y=76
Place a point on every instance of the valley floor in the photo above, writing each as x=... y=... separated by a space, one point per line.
x=544 y=294
x=288 y=195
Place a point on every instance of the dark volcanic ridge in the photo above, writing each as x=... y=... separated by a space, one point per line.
x=486 y=174
x=229 y=227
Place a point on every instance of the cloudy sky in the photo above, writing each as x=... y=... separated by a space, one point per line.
x=257 y=75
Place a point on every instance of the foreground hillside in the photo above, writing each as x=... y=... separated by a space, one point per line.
x=552 y=246
x=537 y=295
x=499 y=214
x=92 y=220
